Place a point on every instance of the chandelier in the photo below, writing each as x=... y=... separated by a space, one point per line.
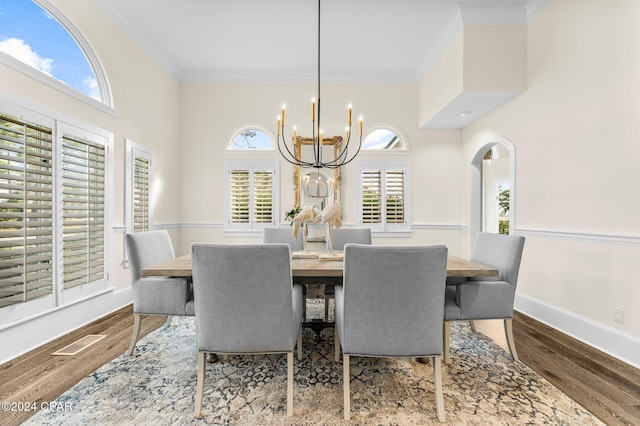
x=342 y=156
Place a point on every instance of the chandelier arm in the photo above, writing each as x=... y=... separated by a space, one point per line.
x=292 y=159
x=284 y=142
x=343 y=156
x=354 y=155
x=345 y=160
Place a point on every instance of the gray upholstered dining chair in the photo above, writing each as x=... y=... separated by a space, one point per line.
x=245 y=304
x=340 y=237
x=154 y=295
x=282 y=235
x=391 y=305
x=285 y=235
x=487 y=297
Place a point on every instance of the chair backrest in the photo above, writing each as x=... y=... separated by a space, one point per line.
x=146 y=249
x=243 y=298
x=503 y=252
x=394 y=299
x=282 y=235
x=340 y=237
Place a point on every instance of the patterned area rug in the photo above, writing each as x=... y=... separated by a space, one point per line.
x=481 y=385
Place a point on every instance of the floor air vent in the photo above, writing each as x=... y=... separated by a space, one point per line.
x=80 y=345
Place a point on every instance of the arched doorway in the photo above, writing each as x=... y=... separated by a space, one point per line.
x=492 y=188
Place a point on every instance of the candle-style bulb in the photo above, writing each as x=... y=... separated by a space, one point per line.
x=313 y=109
x=283 y=108
x=360 y=125
x=350 y=109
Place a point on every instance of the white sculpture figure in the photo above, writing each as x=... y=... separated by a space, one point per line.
x=306 y=216
x=332 y=216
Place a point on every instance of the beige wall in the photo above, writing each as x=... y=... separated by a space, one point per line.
x=210 y=114
x=577 y=160
x=147 y=106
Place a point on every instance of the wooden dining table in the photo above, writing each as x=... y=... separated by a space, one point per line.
x=310 y=271
x=317 y=270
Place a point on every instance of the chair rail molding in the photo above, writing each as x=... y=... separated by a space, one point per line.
x=628 y=240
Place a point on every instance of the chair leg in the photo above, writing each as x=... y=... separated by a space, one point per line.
x=304 y=308
x=290 y=384
x=326 y=307
x=337 y=344
x=137 y=320
x=446 y=335
x=202 y=365
x=346 y=379
x=437 y=384
x=168 y=322
x=508 y=332
x=473 y=325
x=299 y=344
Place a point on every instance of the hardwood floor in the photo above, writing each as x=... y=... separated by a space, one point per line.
x=608 y=388
x=38 y=376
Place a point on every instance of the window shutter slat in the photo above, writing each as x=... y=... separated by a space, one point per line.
x=141 y=196
x=26 y=211
x=394 y=185
x=83 y=206
x=371 y=196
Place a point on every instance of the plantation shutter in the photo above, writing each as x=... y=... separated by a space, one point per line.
x=26 y=211
x=83 y=210
x=263 y=196
x=141 y=178
x=394 y=196
x=240 y=187
x=371 y=196
x=251 y=194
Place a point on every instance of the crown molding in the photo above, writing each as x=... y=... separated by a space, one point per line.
x=270 y=77
x=157 y=54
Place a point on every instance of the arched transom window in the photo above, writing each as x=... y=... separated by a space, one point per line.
x=32 y=35
x=383 y=139
x=251 y=138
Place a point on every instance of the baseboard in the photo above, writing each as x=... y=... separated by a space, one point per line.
x=30 y=334
x=616 y=343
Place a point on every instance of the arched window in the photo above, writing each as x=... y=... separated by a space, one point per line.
x=252 y=137
x=383 y=138
x=40 y=36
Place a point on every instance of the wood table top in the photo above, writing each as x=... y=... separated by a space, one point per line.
x=181 y=267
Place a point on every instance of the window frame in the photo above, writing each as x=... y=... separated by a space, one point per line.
x=383 y=166
x=133 y=151
x=252 y=165
x=61 y=125
x=252 y=126
x=403 y=142
x=106 y=103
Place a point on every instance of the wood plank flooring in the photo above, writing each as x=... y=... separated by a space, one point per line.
x=38 y=376
x=608 y=388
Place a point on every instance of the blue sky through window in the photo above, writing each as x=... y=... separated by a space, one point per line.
x=31 y=35
x=252 y=139
x=381 y=139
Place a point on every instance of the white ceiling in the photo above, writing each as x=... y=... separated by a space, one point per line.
x=276 y=41
x=259 y=41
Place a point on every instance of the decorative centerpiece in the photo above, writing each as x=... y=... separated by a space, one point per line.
x=302 y=219
x=332 y=216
